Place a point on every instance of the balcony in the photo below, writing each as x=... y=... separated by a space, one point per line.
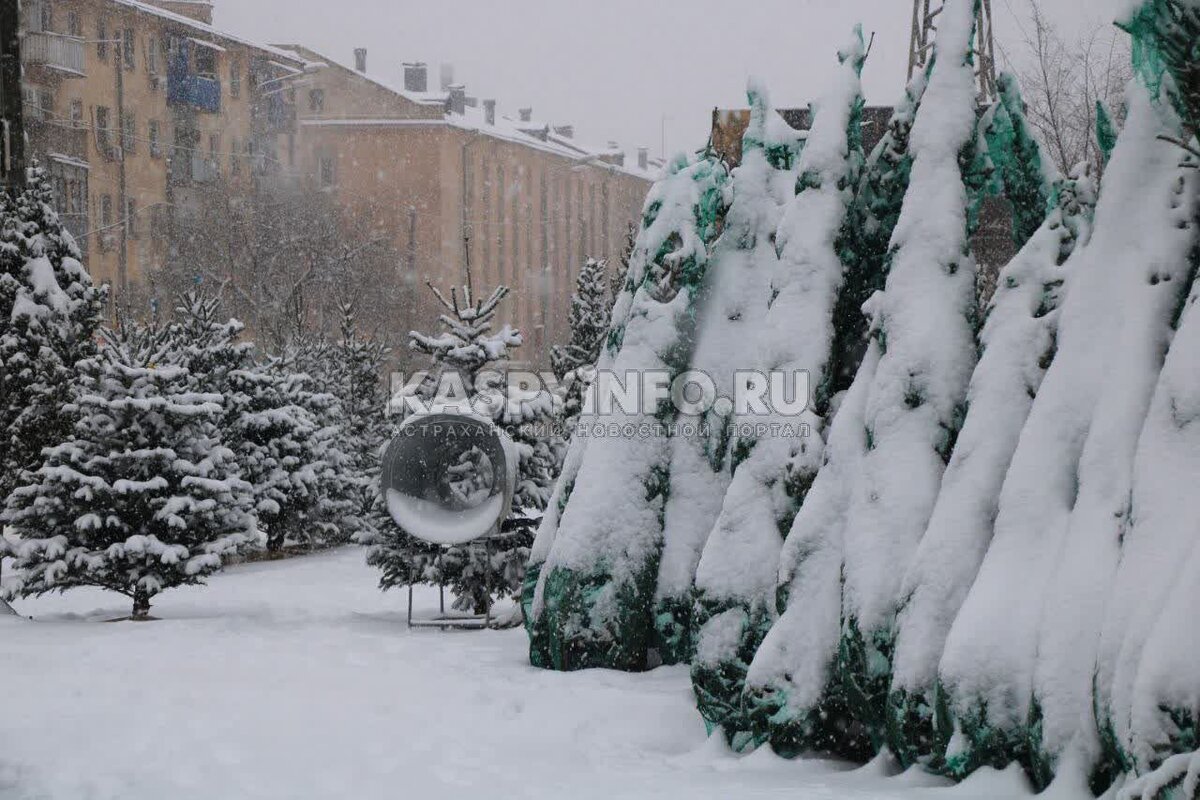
x=197 y=91
x=54 y=51
x=61 y=138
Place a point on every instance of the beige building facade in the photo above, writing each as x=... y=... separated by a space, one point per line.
x=134 y=108
x=142 y=111
x=519 y=201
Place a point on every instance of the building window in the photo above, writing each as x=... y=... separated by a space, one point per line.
x=235 y=78
x=316 y=100
x=128 y=132
x=131 y=219
x=235 y=163
x=101 y=40
x=77 y=114
x=214 y=152
x=106 y=211
x=47 y=10
x=205 y=59
x=74 y=24
x=155 y=139
x=152 y=57
x=103 y=131
x=46 y=103
x=327 y=171
x=127 y=48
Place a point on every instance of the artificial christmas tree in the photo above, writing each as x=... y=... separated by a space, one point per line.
x=602 y=569
x=143 y=496
x=737 y=574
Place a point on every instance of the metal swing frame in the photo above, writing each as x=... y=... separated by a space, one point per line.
x=457 y=620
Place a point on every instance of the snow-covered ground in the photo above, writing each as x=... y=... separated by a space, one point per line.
x=299 y=679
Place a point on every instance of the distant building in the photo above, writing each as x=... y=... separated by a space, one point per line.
x=136 y=107
x=993 y=241
x=452 y=182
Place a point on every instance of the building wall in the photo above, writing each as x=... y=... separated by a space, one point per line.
x=73 y=110
x=429 y=181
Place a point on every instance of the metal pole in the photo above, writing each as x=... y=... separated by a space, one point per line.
x=12 y=126
x=122 y=187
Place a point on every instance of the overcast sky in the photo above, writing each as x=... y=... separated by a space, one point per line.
x=623 y=69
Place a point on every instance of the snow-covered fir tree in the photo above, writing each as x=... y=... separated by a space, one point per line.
x=730 y=306
x=142 y=496
x=589 y=317
x=633 y=270
x=737 y=574
x=1023 y=171
x=925 y=329
x=49 y=312
x=1155 y=286
x=1018 y=343
x=358 y=383
x=600 y=576
x=285 y=434
x=1016 y=694
x=793 y=697
x=466 y=359
x=865 y=238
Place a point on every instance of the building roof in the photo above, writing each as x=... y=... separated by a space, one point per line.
x=203 y=30
x=534 y=133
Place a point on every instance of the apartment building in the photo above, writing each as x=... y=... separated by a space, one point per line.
x=519 y=200
x=135 y=108
x=144 y=114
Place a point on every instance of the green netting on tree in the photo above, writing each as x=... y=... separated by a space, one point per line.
x=1017 y=159
x=866 y=232
x=1166 y=42
x=829 y=728
x=601 y=614
x=1106 y=131
x=718 y=684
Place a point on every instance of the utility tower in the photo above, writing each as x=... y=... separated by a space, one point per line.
x=924 y=27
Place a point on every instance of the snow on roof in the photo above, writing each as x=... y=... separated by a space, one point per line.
x=420 y=98
x=532 y=133
x=205 y=28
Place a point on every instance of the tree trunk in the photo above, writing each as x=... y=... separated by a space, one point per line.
x=141 y=604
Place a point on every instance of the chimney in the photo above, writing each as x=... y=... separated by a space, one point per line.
x=489 y=112
x=416 y=77
x=526 y=114
x=565 y=131
x=643 y=158
x=445 y=76
x=457 y=102
x=360 y=59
